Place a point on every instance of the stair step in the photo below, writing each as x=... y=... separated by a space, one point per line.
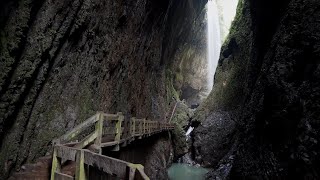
x=41 y=170
x=70 y=173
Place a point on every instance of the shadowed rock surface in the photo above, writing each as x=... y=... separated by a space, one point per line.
x=61 y=61
x=267 y=82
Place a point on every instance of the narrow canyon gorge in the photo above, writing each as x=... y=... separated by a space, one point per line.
x=251 y=114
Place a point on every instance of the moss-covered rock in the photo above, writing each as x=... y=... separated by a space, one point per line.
x=190 y=67
x=62 y=61
x=181 y=119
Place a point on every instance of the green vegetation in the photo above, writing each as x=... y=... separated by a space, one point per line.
x=171 y=91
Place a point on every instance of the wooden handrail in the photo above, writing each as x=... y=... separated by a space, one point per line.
x=135 y=128
x=85 y=157
x=75 y=131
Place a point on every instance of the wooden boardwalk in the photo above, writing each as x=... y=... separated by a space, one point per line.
x=102 y=130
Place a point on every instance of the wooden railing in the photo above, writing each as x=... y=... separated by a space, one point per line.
x=115 y=167
x=102 y=130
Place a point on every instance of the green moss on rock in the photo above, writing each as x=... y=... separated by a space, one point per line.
x=181 y=120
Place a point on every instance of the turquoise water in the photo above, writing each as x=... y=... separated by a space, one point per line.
x=186 y=172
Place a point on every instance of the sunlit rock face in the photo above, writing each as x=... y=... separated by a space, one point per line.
x=61 y=61
x=267 y=83
x=191 y=63
x=197 y=59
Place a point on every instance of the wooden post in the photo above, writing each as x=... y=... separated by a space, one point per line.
x=98 y=131
x=118 y=127
x=56 y=166
x=133 y=126
x=144 y=126
x=118 y=131
x=140 y=129
x=132 y=173
x=80 y=170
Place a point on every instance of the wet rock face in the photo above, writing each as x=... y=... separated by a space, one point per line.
x=190 y=66
x=212 y=138
x=181 y=119
x=268 y=82
x=155 y=153
x=61 y=61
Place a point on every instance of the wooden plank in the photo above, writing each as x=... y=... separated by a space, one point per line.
x=140 y=127
x=80 y=170
x=56 y=166
x=99 y=131
x=144 y=126
x=132 y=127
x=140 y=169
x=118 y=127
x=142 y=173
x=94 y=148
x=106 y=164
x=110 y=117
x=132 y=173
x=66 y=153
x=75 y=131
x=60 y=176
x=87 y=140
x=107 y=144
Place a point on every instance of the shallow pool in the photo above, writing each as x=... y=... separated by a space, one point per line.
x=186 y=172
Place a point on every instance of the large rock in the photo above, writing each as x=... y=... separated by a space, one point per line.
x=213 y=137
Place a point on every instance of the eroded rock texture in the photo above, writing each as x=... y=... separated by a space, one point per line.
x=267 y=83
x=61 y=61
x=190 y=65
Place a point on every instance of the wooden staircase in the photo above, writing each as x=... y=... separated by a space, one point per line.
x=78 y=153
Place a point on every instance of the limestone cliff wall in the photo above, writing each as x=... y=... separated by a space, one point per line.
x=61 y=61
x=261 y=120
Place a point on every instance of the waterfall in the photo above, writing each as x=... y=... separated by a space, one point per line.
x=214 y=41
